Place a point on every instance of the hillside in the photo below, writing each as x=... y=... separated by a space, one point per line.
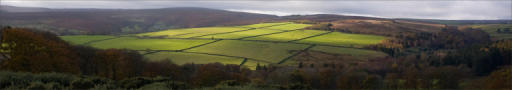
x=247 y=45
x=459 y=22
x=365 y=25
x=119 y=21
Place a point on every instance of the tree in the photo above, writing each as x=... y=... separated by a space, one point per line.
x=506 y=30
x=36 y=51
x=301 y=64
x=118 y=64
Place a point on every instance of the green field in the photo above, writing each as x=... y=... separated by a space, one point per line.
x=242 y=34
x=183 y=58
x=492 y=30
x=144 y=44
x=187 y=33
x=270 y=44
x=345 y=39
x=264 y=24
x=288 y=36
x=289 y=27
x=272 y=52
x=82 y=39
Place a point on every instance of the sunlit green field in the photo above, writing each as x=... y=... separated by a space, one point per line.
x=187 y=33
x=289 y=27
x=264 y=24
x=82 y=39
x=271 y=43
x=272 y=52
x=492 y=30
x=345 y=39
x=288 y=36
x=183 y=58
x=144 y=44
x=242 y=34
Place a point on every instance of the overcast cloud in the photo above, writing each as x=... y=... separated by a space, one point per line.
x=433 y=9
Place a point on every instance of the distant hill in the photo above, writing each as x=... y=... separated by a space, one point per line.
x=118 y=21
x=22 y=9
x=365 y=25
x=127 y=21
x=460 y=22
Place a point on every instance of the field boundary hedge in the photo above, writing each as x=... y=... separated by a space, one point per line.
x=87 y=43
x=291 y=56
x=258 y=60
x=256 y=41
x=321 y=34
x=265 y=34
x=179 y=34
x=157 y=51
x=199 y=45
x=243 y=62
x=238 y=30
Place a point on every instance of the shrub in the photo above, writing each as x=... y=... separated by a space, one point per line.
x=36 y=86
x=54 y=86
x=63 y=79
x=165 y=85
x=82 y=84
x=99 y=80
x=136 y=82
x=105 y=87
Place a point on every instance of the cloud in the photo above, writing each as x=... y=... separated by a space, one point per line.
x=454 y=10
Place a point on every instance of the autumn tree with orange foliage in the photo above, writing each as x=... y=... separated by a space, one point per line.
x=34 y=51
x=118 y=64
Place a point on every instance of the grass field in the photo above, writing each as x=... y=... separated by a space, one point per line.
x=358 y=53
x=288 y=36
x=272 y=52
x=82 y=39
x=183 y=58
x=345 y=39
x=199 y=47
x=143 y=44
x=264 y=24
x=242 y=34
x=492 y=30
x=289 y=26
x=187 y=33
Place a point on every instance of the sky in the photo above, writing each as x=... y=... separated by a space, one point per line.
x=429 y=9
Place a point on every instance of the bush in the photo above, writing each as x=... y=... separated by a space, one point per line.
x=105 y=87
x=162 y=79
x=155 y=86
x=246 y=87
x=9 y=79
x=54 y=86
x=136 y=82
x=36 y=86
x=165 y=85
x=82 y=84
x=99 y=80
x=63 y=79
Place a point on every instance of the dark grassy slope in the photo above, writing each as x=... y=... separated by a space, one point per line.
x=460 y=22
x=117 y=21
